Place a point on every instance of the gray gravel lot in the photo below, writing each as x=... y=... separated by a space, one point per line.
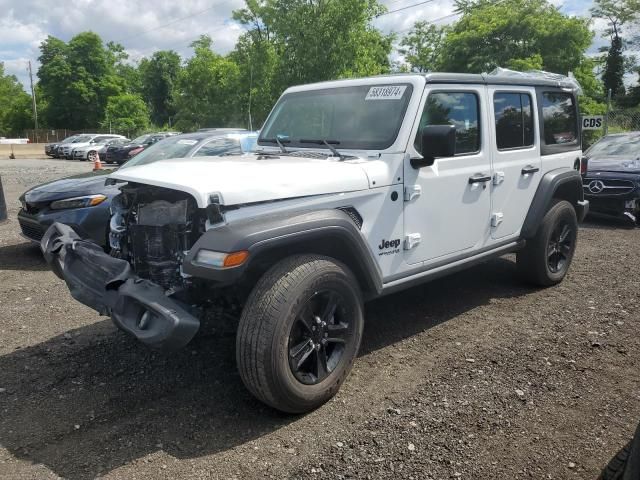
x=474 y=376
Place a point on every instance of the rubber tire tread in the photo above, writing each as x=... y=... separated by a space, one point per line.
x=262 y=310
x=625 y=465
x=531 y=260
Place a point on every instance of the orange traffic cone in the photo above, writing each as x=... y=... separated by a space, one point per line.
x=97 y=164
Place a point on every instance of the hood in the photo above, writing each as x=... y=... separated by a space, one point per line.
x=249 y=178
x=76 y=186
x=613 y=164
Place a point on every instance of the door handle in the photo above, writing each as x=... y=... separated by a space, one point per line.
x=529 y=169
x=479 y=178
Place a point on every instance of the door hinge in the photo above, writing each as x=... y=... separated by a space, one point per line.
x=412 y=240
x=411 y=192
x=498 y=178
x=496 y=219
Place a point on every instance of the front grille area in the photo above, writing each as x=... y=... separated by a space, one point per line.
x=607 y=186
x=31 y=230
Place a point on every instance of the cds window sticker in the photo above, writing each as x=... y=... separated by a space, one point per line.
x=386 y=92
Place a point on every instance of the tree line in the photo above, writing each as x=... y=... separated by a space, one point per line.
x=87 y=82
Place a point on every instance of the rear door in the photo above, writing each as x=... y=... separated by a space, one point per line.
x=516 y=157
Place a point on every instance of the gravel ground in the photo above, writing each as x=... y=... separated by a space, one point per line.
x=474 y=376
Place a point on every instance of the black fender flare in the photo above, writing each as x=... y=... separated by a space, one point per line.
x=327 y=231
x=565 y=183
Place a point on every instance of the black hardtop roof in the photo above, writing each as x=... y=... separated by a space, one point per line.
x=529 y=80
x=517 y=78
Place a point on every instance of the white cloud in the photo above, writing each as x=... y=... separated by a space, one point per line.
x=144 y=26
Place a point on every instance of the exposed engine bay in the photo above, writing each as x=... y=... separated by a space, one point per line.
x=153 y=228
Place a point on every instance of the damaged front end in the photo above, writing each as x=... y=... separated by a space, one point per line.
x=140 y=284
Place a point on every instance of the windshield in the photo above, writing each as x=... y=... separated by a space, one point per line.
x=616 y=146
x=82 y=138
x=364 y=117
x=170 y=147
x=69 y=139
x=141 y=139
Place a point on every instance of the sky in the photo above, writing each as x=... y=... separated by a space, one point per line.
x=144 y=26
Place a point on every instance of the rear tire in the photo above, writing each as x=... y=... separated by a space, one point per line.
x=300 y=332
x=546 y=258
x=625 y=465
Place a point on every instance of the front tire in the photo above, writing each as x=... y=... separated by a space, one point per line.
x=546 y=258
x=92 y=156
x=300 y=332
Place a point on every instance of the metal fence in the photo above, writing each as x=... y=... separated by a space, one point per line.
x=45 y=135
x=617 y=121
x=623 y=121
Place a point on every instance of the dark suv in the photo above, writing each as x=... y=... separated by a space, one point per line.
x=612 y=179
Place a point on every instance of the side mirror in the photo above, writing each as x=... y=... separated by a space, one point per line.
x=437 y=141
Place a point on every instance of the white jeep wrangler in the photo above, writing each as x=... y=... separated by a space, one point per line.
x=359 y=188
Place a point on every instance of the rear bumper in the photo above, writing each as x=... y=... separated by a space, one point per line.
x=109 y=286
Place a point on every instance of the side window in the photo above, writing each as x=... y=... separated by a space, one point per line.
x=514 y=122
x=453 y=108
x=221 y=146
x=559 y=118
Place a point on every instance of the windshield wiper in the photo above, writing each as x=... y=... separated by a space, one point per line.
x=330 y=145
x=278 y=141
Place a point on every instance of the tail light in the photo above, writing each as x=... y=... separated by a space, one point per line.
x=135 y=151
x=584 y=161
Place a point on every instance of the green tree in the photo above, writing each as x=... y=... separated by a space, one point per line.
x=15 y=114
x=422 y=47
x=127 y=75
x=77 y=78
x=515 y=32
x=207 y=89
x=126 y=113
x=159 y=76
x=256 y=90
x=302 y=41
x=617 y=13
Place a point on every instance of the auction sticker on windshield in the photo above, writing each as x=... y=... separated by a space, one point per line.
x=386 y=92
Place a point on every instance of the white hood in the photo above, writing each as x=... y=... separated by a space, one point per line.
x=247 y=179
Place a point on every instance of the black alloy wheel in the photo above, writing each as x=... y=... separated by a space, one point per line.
x=300 y=332
x=560 y=247
x=546 y=257
x=318 y=337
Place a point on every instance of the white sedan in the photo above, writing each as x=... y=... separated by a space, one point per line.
x=91 y=151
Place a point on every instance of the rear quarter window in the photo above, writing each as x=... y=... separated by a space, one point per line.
x=559 y=117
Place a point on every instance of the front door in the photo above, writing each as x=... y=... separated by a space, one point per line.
x=449 y=203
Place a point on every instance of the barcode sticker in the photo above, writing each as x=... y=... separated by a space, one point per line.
x=386 y=92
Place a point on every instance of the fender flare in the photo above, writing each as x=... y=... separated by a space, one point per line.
x=320 y=231
x=564 y=183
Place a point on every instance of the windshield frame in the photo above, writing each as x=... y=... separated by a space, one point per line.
x=401 y=81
